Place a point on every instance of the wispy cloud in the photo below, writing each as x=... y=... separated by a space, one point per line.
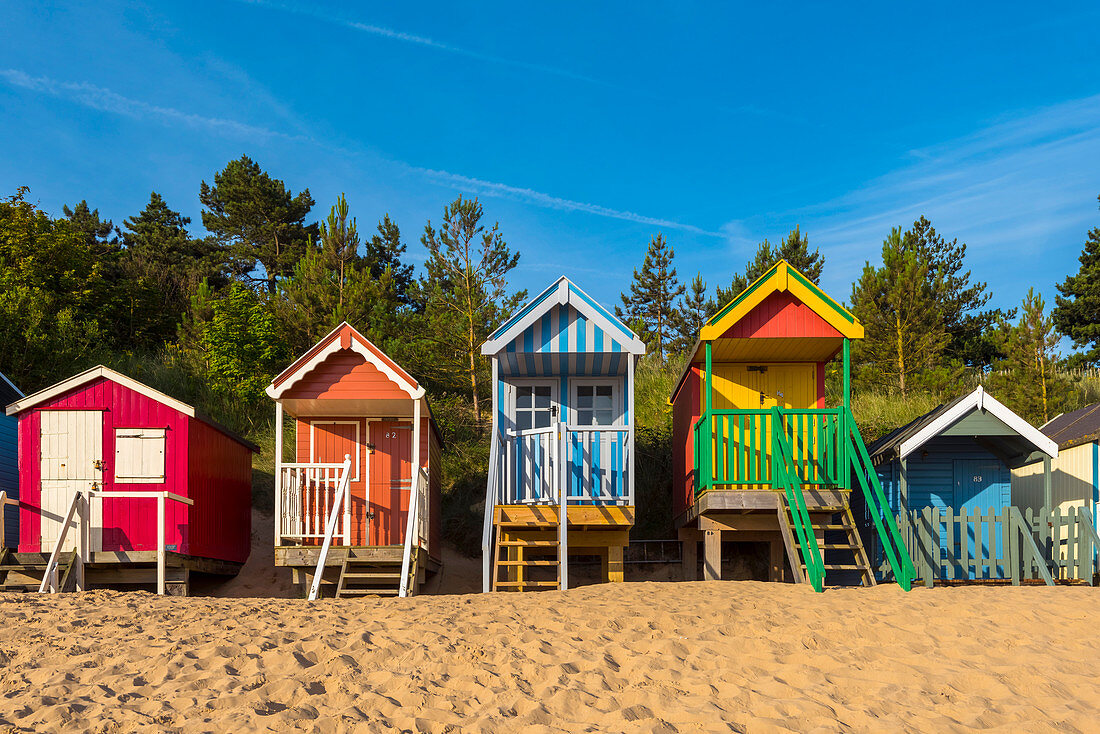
x=395 y=35
x=547 y=201
x=1021 y=189
x=105 y=100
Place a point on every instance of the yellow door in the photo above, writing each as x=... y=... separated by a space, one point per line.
x=742 y=444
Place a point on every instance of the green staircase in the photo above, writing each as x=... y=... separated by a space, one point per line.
x=800 y=531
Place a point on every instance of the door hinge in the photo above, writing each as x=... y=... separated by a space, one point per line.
x=370 y=448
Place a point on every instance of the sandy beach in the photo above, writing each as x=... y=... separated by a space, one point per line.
x=671 y=657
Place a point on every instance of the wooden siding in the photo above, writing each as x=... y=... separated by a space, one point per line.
x=685 y=413
x=345 y=374
x=388 y=527
x=931 y=480
x=563 y=341
x=345 y=334
x=219 y=524
x=9 y=476
x=434 y=463
x=1073 y=480
x=128 y=524
x=735 y=386
x=781 y=315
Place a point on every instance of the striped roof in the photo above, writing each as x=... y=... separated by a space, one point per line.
x=562 y=320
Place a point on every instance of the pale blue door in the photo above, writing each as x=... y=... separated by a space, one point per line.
x=981 y=487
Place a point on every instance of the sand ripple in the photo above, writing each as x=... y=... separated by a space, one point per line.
x=653 y=657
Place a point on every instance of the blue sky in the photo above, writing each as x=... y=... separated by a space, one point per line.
x=586 y=128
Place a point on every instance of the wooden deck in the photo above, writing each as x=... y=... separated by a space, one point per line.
x=763 y=500
x=114 y=569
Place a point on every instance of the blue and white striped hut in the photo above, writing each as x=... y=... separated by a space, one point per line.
x=563 y=421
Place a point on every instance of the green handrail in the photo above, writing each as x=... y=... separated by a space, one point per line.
x=786 y=476
x=892 y=543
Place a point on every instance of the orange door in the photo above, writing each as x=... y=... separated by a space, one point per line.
x=390 y=480
x=331 y=441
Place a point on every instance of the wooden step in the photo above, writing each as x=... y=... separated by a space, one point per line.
x=527 y=563
x=387 y=576
x=516 y=584
x=367 y=592
x=529 y=543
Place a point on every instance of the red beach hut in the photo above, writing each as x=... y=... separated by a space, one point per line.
x=127 y=478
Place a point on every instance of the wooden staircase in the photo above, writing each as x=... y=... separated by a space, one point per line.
x=367 y=576
x=23 y=572
x=527 y=549
x=826 y=524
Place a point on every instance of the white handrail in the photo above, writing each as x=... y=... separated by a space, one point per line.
x=49 y=578
x=412 y=526
x=330 y=527
x=490 y=497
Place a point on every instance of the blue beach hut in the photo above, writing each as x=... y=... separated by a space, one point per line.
x=563 y=427
x=947 y=475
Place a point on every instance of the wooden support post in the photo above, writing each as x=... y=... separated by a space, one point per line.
x=712 y=555
x=615 y=563
x=160 y=544
x=629 y=402
x=1048 y=498
x=708 y=447
x=777 y=558
x=689 y=554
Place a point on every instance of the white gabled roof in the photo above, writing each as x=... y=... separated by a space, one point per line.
x=563 y=292
x=93 y=374
x=978 y=400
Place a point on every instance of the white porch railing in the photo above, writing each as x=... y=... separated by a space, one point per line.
x=304 y=493
x=591 y=464
x=80 y=512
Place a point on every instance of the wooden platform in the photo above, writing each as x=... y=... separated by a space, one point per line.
x=377 y=566
x=738 y=500
x=526 y=554
x=113 y=569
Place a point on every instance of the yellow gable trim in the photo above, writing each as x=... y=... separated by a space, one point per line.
x=778 y=280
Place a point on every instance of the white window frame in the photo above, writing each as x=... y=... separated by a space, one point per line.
x=358 y=441
x=511 y=395
x=616 y=397
x=120 y=432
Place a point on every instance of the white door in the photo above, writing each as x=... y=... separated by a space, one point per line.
x=533 y=445
x=596 y=460
x=71 y=459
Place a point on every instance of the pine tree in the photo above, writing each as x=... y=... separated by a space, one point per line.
x=1077 y=309
x=466 y=290
x=1027 y=377
x=897 y=305
x=653 y=294
x=162 y=266
x=384 y=251
x=690 y=317
x=258 y=219
x=795 y=249
x=959 y=301
x=340 y=245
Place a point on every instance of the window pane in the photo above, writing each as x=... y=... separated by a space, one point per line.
x=603 y=390
x=603 y=402
x=603 y=418
x=584 y=417
x=542 y=397
x=542 y=419
x=523 y=420
x=584 y=390
x=584 y=401
x=523 y=397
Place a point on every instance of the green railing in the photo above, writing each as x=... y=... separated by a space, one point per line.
x=734 y=447
x=785 y=475
x=786 y=450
